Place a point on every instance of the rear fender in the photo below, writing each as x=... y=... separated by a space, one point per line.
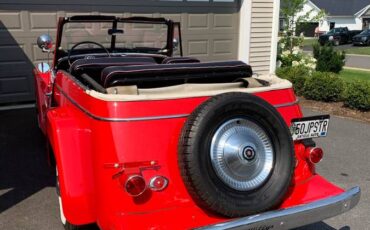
x=69 y=136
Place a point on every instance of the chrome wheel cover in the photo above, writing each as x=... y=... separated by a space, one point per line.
x=241 y=154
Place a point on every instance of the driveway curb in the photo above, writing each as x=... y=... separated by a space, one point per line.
x=358 y=55
x=354 y=68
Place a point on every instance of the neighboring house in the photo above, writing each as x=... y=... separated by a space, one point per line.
x=211 y=30
x=354 y=14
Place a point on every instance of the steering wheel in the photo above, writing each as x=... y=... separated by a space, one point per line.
x=82 y=43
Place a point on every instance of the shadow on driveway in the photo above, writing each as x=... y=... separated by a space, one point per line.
x=23 y=166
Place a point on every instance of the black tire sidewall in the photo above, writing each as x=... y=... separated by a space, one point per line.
x=209 y=191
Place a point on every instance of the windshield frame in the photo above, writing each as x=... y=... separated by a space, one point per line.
x=168 y=49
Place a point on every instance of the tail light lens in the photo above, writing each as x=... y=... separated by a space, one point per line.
x=314 y=155
x=135 y=185
x=158 y=183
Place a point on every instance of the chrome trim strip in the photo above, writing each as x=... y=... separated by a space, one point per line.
x=287 y=104
x=296 y=216
x=149 y=118
x=88 y=113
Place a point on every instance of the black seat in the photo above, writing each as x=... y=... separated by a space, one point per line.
x=162 y=75
x=175 y=60
x=93 y=67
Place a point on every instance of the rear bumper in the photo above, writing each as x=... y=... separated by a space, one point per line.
x=295 y=216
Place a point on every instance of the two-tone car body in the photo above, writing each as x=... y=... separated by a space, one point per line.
x=145 y=139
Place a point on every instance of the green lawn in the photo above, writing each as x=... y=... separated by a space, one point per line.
x=351 y=74
x=359 y=50
x=309 y=42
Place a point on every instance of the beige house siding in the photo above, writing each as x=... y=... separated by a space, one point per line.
x=261 y=34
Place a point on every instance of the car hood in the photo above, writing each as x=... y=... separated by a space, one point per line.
x=361 y=35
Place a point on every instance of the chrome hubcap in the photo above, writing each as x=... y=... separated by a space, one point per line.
x=241 y=154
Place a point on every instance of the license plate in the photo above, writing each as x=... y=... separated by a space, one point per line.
x=310 y=127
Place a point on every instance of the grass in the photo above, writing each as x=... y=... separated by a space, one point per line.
x=358 y=50
x=309 y=41
x=352 y=74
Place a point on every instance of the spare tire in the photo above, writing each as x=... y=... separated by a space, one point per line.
x=236 y=155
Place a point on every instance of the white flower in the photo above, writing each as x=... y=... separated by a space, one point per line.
x=296 y=50
x=311 y=66
x=282 y=45
x=295 y=63
x=285 y=53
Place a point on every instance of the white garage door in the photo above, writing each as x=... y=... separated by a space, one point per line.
x=210 y=30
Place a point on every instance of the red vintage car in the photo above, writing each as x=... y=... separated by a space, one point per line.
x=144 y=138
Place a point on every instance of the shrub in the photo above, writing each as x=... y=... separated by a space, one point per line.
x=328 y=60
x=357 y=95
x=323 y=86
x=297 y=75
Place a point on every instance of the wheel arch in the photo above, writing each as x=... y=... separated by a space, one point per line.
x=70 y=143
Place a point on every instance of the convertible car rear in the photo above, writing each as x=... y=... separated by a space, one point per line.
x=144 y=138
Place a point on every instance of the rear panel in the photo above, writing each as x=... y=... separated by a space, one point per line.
x=145 y=131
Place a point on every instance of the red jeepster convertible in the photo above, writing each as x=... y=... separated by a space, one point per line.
x=143 y=138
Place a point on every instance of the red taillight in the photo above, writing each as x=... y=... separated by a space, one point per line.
x=158 y=183
x=135 y=185
x=314 y=155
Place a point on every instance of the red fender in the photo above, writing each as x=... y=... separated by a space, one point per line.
x=70 y=141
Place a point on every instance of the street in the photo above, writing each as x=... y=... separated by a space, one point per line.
x=358 y=61
x=352 y=60
x=27 y=191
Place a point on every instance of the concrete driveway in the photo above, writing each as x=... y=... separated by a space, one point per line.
x=27 y=193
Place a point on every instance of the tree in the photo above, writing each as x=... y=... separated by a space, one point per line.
x=292 y=13
x=289 y=51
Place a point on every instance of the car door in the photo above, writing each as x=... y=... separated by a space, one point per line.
x=43 y=86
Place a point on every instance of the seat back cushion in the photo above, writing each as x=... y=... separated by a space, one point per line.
x=174 y=60
x=211 y=72
x=93 y=67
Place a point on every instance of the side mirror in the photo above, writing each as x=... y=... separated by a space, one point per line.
x=45 y=43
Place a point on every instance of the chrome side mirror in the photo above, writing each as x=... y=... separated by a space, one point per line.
x=43 y=67
x=45 y=43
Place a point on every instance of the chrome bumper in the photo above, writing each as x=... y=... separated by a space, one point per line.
x=295 y=216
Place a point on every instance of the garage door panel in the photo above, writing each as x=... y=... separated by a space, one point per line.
x=223 y=47
x=198 y=47
x=224 y=21
x=174 y=17
x=10 y=21
x=43 y=21
x=14 y=85
x=11 y=53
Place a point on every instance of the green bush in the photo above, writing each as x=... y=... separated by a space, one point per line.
x=323 y=86
x=328 y=60
x=357 y=95
x=297 y=75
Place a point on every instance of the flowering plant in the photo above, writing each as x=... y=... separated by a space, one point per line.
x=291 y=54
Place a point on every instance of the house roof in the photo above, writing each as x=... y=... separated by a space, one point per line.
x=341 y=7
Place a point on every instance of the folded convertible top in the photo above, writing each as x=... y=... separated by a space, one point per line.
x=185 y=72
